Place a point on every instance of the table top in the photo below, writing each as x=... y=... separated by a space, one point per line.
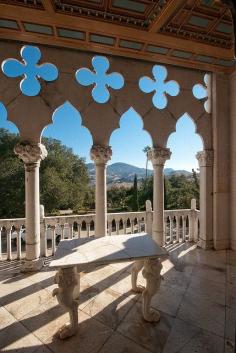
x=108 y=249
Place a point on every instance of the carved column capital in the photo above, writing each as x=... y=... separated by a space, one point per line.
x=205 y=158
x=31 y=154
x=100 y=154
x=158 y=155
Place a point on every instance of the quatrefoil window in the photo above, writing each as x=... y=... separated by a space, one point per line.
x=100 y=79
x=30 y=70
x=201 y=91
x=160 y=86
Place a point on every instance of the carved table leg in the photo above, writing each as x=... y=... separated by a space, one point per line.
x=152 y=274
x=136 y=268
x=68 y=284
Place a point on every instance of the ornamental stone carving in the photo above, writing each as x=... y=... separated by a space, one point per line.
x=100 y=154
x=205 y=158
x=30 y=153
x=158 y=156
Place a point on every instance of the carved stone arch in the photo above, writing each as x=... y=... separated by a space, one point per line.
x=138 y=116
x=70 y=110
x=195 y=123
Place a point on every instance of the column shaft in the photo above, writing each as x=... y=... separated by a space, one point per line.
x=205 y=159
x=100 y=155
x=32 y=211
x=158 y=156
x=32 y=154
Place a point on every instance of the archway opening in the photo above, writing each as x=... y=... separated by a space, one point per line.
x=127 y=171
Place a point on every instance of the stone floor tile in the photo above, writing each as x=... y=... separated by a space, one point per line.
x=203 y=313
x=109 y=307
x=45 y=320
x=215 y=273
x=230 y=323
x=229 y=347
x=22 y=303
x=231 y=295
x=207 y=289
x=90 y=338
x=204 y=342
x=6 y=318
x=120 y=344
x=231 y=274
x=103 y=276
x=181 y=333
x=176 y=278
x=231 y=257
x=152 y=336
x=16 y=338
x=167 y=299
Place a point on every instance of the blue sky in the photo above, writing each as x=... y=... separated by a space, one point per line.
x=127 y=142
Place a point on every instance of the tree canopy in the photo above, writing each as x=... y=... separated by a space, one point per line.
x=64 y=181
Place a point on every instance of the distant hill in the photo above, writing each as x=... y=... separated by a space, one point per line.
x=124 y=173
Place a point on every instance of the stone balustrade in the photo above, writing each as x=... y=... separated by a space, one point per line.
x=179 y=226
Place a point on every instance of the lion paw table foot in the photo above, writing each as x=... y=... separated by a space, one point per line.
x=66 y=331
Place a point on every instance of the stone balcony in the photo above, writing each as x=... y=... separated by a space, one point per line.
x=197 y=302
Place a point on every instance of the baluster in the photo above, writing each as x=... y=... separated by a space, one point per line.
x=124 y=226
x=117 y=227
x=88 y=229
x=139 y=226
x=62 y=231
x=79 y=229
x=177 y=228
x=184 y=229
x=53 y=230
x=132 y=226
x=9 y=254
x=0 y=243
x=18 y=243
x=171 y=230
x=70 y=231
x=165 y=230
x=109 y=228
x=43 y=239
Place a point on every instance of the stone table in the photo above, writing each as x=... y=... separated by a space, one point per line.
x=76 y=255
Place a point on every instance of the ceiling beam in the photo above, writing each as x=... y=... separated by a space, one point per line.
x=98 y=48
x=171 y=8
x=41 y=17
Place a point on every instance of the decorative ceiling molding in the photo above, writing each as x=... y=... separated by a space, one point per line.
x=185 y=32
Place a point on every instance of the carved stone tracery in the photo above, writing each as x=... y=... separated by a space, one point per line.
x=31 y=154
x=100 y=154
x=205 y=158
x=158 y=155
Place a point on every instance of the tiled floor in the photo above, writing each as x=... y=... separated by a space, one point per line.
x=197 y=301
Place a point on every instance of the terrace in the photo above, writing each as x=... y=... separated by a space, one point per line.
x=104 y=57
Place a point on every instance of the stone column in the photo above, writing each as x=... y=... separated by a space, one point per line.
x=32 y=154
x=100 y=155
x=158 y=156
x=205 y=160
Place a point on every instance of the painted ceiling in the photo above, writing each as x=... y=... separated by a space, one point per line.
x=192 y=33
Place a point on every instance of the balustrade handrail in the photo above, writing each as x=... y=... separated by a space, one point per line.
x=20 y=221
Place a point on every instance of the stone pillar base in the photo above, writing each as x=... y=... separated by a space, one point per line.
x=32 y=265
x=205 y=244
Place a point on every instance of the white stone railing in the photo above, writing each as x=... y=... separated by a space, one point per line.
x=180 y=226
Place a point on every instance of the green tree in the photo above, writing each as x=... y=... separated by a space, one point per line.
x=145 y=150
x=63 y=178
